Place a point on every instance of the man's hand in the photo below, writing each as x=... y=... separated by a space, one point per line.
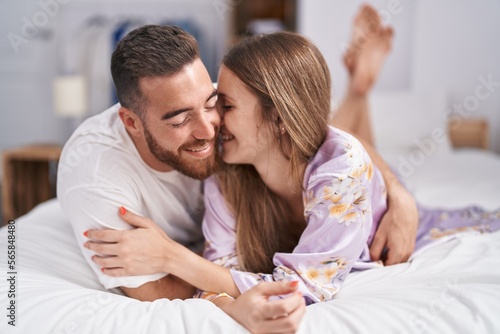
x=258 y=314
x=398 y=228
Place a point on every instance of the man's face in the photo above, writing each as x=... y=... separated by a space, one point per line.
x=181 y=123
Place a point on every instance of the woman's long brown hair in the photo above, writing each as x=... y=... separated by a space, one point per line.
x=291 y=80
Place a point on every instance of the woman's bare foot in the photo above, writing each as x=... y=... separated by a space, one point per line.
x=370 y=60
x=366 y=24
x=370 y=45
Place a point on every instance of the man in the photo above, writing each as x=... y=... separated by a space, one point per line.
x=148 y=154
x=140 y=155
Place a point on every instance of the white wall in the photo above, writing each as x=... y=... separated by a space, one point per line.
x=441 y=45
x=25 y=93
x=456 y=42
x=28 y=69
x=329 y=25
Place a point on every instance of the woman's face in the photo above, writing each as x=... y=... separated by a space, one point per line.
x=246 y=137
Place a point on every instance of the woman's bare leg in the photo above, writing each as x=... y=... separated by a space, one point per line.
x=370 y=45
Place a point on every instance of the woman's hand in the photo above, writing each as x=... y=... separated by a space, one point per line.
x=258 y=314
x=142 y=251
x=397 y=231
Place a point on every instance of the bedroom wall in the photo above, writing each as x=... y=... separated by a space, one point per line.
x=24 y=91
x=30 y=55
x=445 y=45
x=329 y=25
x=457 y=48
x=424 y=55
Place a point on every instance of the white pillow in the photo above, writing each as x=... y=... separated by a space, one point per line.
x=412 y=125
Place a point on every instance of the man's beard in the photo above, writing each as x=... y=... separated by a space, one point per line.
x=198 y=169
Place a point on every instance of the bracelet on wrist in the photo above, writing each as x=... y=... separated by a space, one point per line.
x=214 y=296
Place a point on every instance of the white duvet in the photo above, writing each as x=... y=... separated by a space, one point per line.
x=452 y=288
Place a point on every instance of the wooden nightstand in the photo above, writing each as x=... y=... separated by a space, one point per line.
x=27 y=178
x=469 y=133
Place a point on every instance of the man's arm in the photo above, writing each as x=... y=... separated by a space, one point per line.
x=391 y=181
x=170 y=287
x=398 y=228
x=98 y=209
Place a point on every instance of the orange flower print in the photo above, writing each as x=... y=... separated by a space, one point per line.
x=337 y=210
x=340 y=186
x=323 y=273
x=349 y=218
x=312 y=273
x=369 y=171
x=330 y=273
x=332 y=195
x=356 y=159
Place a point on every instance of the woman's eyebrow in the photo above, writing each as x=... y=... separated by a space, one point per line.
x=225 y=96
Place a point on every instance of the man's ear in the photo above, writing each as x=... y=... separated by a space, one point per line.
x=131 y=121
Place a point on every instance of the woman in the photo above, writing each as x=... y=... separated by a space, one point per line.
x=297 y=200
x=303 y=195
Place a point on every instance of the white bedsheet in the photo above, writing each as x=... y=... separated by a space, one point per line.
x=452 y=288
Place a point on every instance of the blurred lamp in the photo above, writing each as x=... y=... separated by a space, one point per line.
x=70 y=96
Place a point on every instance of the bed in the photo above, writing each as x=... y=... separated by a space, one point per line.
x=451 y=288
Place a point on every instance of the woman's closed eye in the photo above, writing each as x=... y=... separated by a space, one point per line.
x=223 y=104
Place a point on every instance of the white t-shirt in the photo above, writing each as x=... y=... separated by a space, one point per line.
x=100 y=170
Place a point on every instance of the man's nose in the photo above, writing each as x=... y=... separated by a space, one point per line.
x=205 y=127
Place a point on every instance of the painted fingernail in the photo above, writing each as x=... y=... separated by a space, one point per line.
x=102 y=269
x=293 y=284
x=123 y=211
x=86 y=234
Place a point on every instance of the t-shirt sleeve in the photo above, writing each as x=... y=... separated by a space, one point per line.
x=97 y=208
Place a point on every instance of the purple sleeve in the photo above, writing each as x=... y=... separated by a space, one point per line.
x=218 y=228
x=220 y=237
x=339 y=221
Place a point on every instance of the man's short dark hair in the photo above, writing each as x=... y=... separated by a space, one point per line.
x=149 y=51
